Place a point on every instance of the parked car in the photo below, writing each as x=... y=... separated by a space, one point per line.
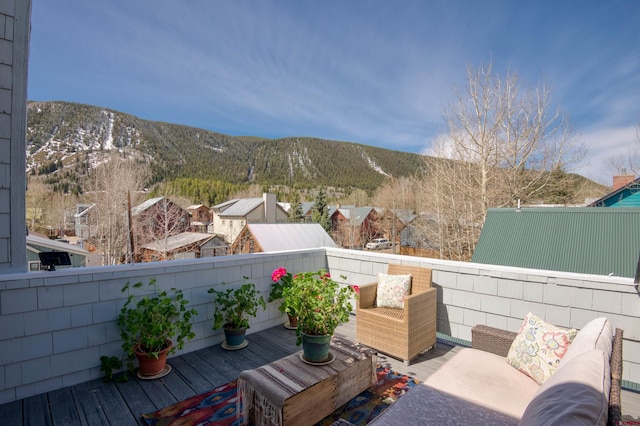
x=379 y=244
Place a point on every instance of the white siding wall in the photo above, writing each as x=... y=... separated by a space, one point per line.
x=499 y=296
x=14 y=54
x=54 y=326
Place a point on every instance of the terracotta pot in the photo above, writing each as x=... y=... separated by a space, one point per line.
x=293 y=321
x=149 y=365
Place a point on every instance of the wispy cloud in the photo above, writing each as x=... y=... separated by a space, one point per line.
x=365 y=71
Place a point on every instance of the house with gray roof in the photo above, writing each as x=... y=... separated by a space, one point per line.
x=230 y=217
x=263 y=237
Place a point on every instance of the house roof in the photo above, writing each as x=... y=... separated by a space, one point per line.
x=225 y=204
x=195 y=207
x=176 y=241
x=144 y=206
x=626 y=196
x=35 y=243
x=355 y=215
x=242 y=207
x=290 y=236
x=587 y=240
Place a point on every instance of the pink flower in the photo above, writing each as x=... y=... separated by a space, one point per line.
x=356 y=289
x=277 y=274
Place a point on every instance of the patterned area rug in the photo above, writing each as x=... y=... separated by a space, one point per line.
x=218 y=406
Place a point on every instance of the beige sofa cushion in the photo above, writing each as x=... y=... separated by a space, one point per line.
x=485 y=379
x=597 y=334
x=577 y=394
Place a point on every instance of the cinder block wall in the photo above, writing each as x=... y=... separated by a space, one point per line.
x=55 y=326
x=498 y=296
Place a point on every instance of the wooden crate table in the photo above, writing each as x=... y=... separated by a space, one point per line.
x=291 y=392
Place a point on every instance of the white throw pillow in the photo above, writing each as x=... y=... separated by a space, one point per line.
x=538 y=348
x=392 y=289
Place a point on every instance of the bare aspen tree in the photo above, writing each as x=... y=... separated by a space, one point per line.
x=629 y=162
x=394 y=196
x=106 y=187
x=503 y=141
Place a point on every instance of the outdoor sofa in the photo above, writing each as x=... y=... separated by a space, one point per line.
x=478 y=386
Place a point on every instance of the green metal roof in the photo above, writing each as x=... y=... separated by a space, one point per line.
x=588 y=240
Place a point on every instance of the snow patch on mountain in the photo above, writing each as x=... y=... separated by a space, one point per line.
x=373 y=164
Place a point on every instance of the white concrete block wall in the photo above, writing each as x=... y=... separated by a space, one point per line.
x=54 y=326
x=497 y=296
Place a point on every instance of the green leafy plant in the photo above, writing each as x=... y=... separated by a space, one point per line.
x=234 y=307
x=151 y=322
x=109 y=364
x=281 y=280
x=319 y=302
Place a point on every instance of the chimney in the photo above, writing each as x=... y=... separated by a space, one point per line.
x=622 y=180
x=269 y=201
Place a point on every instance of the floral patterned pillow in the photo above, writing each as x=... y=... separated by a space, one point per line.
x=539 y=347
x=392 y=290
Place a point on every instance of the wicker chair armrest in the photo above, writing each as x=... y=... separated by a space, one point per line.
x=418 y=300
x=367 y=297
x=615 y=403
x=491 y=339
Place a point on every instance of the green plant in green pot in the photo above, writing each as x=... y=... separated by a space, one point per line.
x=281 y=280
x=149 y=323
x=321 y=304
x=234 y=308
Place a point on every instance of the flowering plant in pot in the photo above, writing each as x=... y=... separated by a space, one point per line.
x=234 y=307
x=149 y=323
x=321 y=304
x=281 y=280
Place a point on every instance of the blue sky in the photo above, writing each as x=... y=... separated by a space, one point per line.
x=373 y=72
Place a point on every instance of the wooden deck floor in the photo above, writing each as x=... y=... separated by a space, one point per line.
x=98 y=403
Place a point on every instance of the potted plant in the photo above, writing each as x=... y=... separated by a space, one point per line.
x=281 y=280
x=321 y=304
x=148 y=325
x=234 y=307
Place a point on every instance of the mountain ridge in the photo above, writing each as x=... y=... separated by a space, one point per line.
x=69 y=134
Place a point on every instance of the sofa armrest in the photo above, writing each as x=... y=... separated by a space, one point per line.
x=491 y=339
x=615 y=406
x=367 y=297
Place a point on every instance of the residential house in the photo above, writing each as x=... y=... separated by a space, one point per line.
x=85 y=221
x=390 y=222
x=157 y=218
x=420 y=236
x=587 y=240
x=201 y=217
x=353 y=227
x=625 y=193
x=187 y=245
x=36 y=245
x=262 y=237
x=230 y=217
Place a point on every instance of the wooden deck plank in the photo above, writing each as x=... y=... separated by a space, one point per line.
x=36 y=410
x=11 y=413
x=116 y=409
x=211 y=373
x=89 y=407
x=63 y=408
x=196 y=381
x=135 y=398
x=97 y=403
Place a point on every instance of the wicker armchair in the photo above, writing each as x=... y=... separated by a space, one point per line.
x=401 y=333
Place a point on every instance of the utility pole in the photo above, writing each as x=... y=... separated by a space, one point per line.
x=130 y=230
